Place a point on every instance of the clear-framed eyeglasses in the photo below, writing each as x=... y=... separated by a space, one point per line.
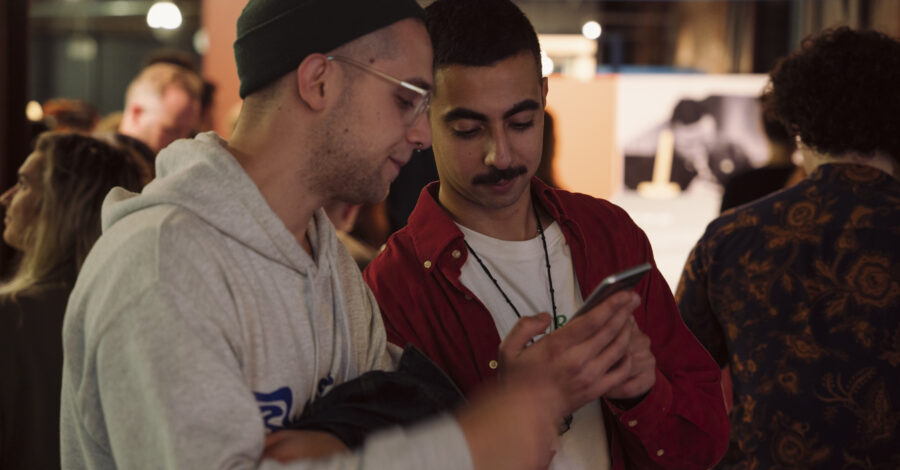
x=416 y=104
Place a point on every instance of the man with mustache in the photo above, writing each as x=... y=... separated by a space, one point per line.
x=489 y=246
x=218 y=303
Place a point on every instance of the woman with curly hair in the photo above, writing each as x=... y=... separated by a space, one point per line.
x=52 y=216
x=839 y=98
x=797 y=294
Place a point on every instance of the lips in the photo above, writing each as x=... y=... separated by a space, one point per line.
x=397 y=164
x=503 y=185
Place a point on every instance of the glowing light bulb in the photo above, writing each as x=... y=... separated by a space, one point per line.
x=164 y=15
x=591 y=30
x=546 y=64
x=34 y=111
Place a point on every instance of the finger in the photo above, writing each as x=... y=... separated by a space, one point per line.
x=577 y=355
x=581 y=367
x=640 y=342
x=611 y=357
x=610 y=380
x=640 y=363
x=636 y=385
x=586 y=325
x=522 y=333
x=643 y=365
x=609 y=369
x=643 y=368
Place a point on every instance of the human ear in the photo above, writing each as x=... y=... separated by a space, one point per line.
x=311 y=81
x=135 y=112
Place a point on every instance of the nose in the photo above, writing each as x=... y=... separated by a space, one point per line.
x=6 y=198
x=498 y=154
x=419 y=133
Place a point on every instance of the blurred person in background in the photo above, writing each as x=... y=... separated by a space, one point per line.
x=343 y=216
x=69 y=115
x=52 y=216
x=109 y=123
x=186 y=60
x=799 y=292
x=162 y=104
x=779 y=173
x=138 y=151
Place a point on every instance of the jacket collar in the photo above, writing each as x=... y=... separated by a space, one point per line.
x=433 y=231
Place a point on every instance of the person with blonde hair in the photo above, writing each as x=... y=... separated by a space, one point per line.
x=52 y=216
x=162 y=104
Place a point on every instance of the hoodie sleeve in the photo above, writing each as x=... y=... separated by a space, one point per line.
x=172 y=396
x=373 y=350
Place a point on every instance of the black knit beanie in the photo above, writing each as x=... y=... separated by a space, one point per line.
x=274 y=36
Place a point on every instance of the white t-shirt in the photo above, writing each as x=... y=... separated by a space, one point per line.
x=520 y=269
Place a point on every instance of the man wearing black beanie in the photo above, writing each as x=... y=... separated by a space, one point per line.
x=219 y=303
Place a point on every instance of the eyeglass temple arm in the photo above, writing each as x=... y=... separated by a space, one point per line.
x=407 y=85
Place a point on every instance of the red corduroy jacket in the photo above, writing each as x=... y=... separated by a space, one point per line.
x=680 y=424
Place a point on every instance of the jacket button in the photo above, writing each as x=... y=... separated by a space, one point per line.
x=632 y=423
x=492 y=364
x=427 y=264
x=456 y=254
x=660 y=453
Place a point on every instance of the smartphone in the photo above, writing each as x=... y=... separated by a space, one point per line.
x=622 y=280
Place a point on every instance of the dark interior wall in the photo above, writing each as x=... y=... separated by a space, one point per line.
x=59 y=71
x=772 y=34
x=639 y=33
x=13 y=92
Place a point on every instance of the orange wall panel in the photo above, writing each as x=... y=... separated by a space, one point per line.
x=586 y=156
x=220 y=22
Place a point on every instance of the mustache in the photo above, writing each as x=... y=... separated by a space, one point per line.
x=494 y=175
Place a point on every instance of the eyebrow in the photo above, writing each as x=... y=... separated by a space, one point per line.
x=524 y=105
x=463 y=113
x=456 y=114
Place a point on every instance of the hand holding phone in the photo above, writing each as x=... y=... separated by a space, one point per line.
x=586 y=362
x=619 y=281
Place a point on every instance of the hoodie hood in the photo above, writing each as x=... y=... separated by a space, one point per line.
x=200 y=176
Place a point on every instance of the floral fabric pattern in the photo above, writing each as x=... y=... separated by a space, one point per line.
x=799 y=293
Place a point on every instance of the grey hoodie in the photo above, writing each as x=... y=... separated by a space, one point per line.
x=198 y=324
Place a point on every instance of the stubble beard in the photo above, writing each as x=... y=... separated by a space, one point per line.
x=345 y=169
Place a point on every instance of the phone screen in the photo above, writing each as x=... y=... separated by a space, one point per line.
x=622 y=280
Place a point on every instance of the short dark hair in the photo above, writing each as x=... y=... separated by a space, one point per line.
x=479 y=32
x=839 y=92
